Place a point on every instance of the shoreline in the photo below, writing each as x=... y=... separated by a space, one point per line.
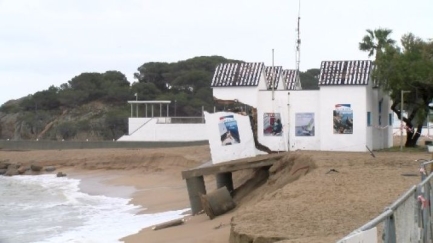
x=95 y=183
x=148 y=177
x=154 y=193
x=114 y=183
x=152 y=178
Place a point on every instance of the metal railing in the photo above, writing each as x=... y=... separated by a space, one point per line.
x=180 y=120
x=409 y=218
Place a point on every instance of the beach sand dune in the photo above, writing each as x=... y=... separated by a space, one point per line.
x=314 y=207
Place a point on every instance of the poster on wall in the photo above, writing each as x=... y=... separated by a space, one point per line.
x=304 y=124
x=229 y=132
x=272 y=125
x=343 y=119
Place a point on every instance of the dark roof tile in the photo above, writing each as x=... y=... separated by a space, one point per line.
x=273 y=74
x=345 y=72
x=237 y=74
x=289 y=78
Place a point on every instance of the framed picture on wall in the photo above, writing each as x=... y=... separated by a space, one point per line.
x=304 y=124
x=228 y=129
x=343 y=119
x=272 y=125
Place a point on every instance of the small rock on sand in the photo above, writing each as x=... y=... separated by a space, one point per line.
x=50 y=168
x=61 y=174
x=36 y=167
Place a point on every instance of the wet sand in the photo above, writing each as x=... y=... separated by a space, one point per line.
x=319 y=207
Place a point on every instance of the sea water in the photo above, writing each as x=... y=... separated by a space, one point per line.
x=50 y=209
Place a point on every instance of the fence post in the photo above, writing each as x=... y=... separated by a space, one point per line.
x=420 y=218
x=389 y=230
x=426 y=213
x=421 y=229
x=430 y=211
x=423 y=172
x=202 y=114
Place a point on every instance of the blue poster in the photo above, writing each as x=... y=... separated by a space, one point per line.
x=229 y=132
x=343 y=119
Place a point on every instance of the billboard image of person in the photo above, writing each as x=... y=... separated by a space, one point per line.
x=272 y=125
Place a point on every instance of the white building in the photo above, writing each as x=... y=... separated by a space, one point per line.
x=151 y=124
x=347 y=113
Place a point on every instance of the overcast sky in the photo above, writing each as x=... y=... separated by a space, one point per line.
x=47 y=42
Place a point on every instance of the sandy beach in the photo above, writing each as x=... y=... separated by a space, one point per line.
x=317 y=207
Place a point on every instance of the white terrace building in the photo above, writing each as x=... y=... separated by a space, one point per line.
x=151 y=124
x=347 y=113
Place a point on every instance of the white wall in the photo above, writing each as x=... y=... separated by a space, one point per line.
x=278 y=105
x=301 y=101
x=390 y=131
x=224 y=153
x=381 y=131
x=152 y=131
x=244 y=94
x=305 y=101
x=355 y=96
x=372 y=107
x=262 y=82
x=135 y=123
x=322 y=104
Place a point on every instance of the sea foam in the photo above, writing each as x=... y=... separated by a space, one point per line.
x=50 y=209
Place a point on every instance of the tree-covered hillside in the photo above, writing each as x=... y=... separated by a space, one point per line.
x=94 y=105
x=187 y=82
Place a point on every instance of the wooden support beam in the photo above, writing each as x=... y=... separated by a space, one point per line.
x=196 y=187
x=225 y=180
x=171 y=223
x=240 y=164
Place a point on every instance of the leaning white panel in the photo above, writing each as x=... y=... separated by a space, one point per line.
x=230 y=136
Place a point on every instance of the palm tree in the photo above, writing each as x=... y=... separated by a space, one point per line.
x=375 y=42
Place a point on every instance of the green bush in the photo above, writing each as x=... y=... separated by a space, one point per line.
x=66 y=130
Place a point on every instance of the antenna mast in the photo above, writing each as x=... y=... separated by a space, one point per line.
x=298 y=49
x=273 y=76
